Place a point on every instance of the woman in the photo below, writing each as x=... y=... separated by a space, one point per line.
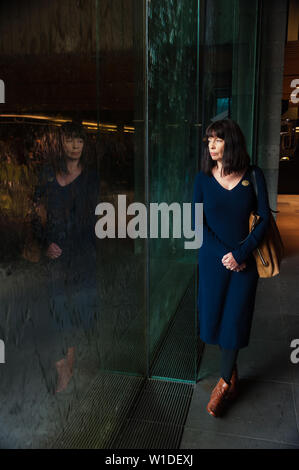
x=227 y=270
x=68 y=193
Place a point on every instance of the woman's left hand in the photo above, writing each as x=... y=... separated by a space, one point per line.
x=229 y=261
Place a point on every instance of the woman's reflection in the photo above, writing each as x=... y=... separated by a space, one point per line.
x=66 y=198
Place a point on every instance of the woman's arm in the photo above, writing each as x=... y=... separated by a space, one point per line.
x=263 y=210
x=218 y=246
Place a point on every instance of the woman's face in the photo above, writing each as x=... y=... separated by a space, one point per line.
x=73 y=147
x=216 y=147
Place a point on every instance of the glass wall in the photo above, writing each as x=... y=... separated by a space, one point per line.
x=229 y=58
x=173 y=158
x=121 y=260
x=72 y=304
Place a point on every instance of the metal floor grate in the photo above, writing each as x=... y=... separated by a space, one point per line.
x=158 y=418
x=100 y=413
x=176 y=357
x=121 y=412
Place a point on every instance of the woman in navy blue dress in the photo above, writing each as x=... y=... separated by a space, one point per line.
x=227 y=270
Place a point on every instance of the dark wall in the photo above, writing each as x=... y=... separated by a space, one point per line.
x=52 y=50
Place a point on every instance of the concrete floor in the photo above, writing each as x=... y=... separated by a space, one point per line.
x=266 y=413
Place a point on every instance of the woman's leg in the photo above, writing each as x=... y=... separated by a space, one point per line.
x=226 y=387
x=228 y=362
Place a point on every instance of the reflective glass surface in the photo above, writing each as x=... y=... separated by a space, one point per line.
x=229 y=59
x=72 y=304
x=173 y=157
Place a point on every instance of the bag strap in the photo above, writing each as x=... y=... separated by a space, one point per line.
x=254 y=183
x=253 y=176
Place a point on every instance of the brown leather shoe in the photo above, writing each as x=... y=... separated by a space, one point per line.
x=218 y=398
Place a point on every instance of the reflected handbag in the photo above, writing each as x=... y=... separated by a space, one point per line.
x=269 y=253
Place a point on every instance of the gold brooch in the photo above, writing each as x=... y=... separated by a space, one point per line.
x=245 y=183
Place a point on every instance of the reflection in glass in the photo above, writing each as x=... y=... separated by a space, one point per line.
x=72 y=306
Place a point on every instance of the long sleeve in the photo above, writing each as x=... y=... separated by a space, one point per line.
x=263 y=210
x=209 y=237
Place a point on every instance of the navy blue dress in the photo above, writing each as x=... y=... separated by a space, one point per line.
x=226 y=298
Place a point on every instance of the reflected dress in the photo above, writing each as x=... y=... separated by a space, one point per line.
x=72 y=276
x=226 y=298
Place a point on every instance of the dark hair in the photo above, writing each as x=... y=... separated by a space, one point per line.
x=235 y=156
x=72 y=129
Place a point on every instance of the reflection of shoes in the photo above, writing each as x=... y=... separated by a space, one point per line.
x=64 y=375
x=218 y=398
x=234 y=385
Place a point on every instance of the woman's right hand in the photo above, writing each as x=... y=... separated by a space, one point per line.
x=240 y=267
x=53 y=251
